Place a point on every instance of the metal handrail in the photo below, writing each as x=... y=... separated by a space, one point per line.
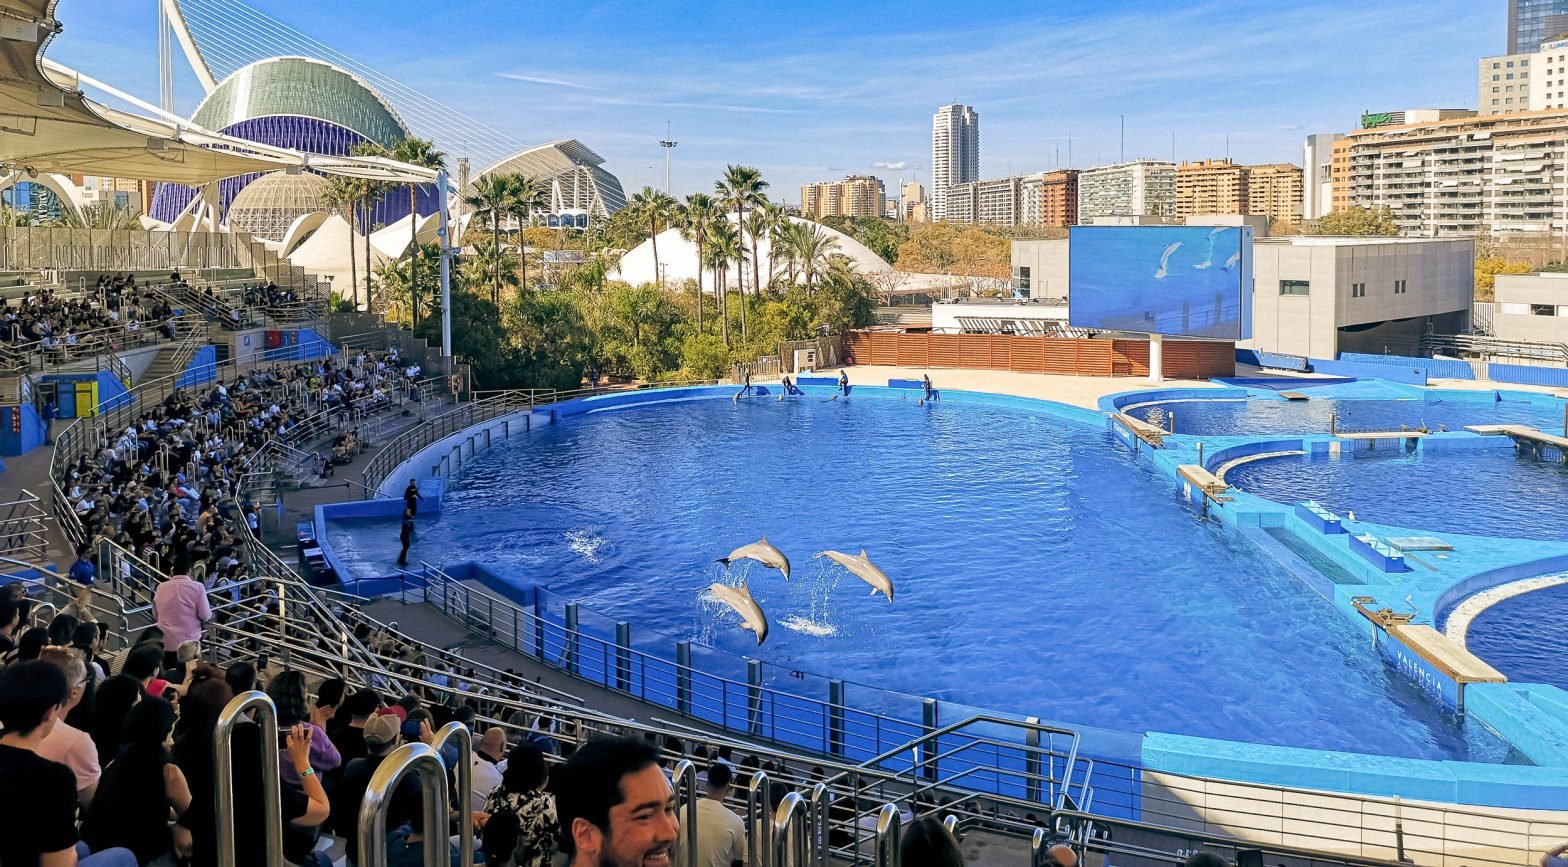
x=223 y=777
x=684 y=780
x=790 y=824
x=759 y=825
x=425 y=763
x=457 y=735
x=890 y=834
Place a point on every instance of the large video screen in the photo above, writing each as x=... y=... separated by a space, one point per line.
x=1184 y=281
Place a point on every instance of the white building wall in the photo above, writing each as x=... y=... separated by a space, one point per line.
x=1317 y=194
x=955 y=153
x=1531 y=307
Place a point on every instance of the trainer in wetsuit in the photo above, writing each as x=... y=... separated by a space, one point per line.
x=411 y=497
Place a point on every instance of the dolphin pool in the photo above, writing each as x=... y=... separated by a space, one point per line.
x=1377 y=407
x=1039 y=569
x=1486 y=492
x=1524 y=637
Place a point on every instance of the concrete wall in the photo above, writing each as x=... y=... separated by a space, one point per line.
x=945 y=314
x=1047 y=264
x=1513 y=317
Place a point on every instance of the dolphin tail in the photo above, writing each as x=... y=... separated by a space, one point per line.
x=724 y=560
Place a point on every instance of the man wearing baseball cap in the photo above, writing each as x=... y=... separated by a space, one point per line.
x=382 y=735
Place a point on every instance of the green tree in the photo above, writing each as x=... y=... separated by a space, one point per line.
x=699 y=213
x=490 y=263
x=494 y=197
x=528 y=193
x=765 y=222
x=740 y=188
x=419 y=152
x=655 y=209
x=703 y=356
x=342 y=195
x=724 y=247
x=1356 y=220
x=807 y=248
x=478 y=336
x=370 y=192
x=553 y=342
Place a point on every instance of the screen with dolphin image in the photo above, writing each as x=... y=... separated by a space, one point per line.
x=1184 y=281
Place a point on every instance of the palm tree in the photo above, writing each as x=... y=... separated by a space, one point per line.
x=492 y=198
x=809 y=247
x=764 y=222
x=527 y=193
x=342 y=194
x=419 y=152
x=654 y=207
x=724 y=246
x=490 y=261
x=370 y=192
x=742 y=186
x=698 y=216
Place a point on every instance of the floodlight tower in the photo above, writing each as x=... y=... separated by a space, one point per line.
x=668 y=144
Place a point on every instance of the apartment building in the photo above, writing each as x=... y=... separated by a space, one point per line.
x=854 y=196
x=1139 y=187
x=955 y=153
x=1275 y=191
x=1499 y=174
x=1211 y=187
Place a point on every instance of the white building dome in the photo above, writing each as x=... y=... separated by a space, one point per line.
x=678 y=258
x=271 y=203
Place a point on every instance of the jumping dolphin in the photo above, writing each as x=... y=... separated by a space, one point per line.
x=1165 y=260
x=1231 y=262
x=1208 y=261
x=862 y=567
x=763 y=552
x=739 y=598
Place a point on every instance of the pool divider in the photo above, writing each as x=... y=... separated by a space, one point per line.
x=1533 y=724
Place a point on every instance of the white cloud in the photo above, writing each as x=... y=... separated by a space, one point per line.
x=890 y=166
x=535 y=79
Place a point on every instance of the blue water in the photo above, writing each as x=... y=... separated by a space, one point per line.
x=1038 y=569
x=1490 y=492
x=1266 y=417
x=1524 y=638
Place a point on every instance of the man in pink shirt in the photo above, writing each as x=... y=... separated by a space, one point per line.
x=66 y=744
x=180 y=604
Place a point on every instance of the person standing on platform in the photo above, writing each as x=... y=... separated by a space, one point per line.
x=843 y=383
x=411 y=497
x=406 y=535
x=50 y=413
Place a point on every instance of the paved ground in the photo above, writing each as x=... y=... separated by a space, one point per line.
x=1081 y=391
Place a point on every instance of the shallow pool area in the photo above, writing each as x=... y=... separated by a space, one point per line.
x=1039 y=567
x=1526 y=637
x=1486 y=492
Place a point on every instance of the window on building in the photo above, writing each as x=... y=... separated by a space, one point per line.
x=1400 y=286
x=1509 y=89
x=1543 y=309
x=1510 y=64
x=1494 y=102
x=1509 y=100
x=1525 y=62
x=1508 y=77
x=1021 y=279
x=1295 y=287
x=1496 y=78
x=1523 y=75
x=1358 y=290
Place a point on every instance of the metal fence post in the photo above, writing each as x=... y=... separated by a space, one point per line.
x=571 y=638
x=623 y=656
x=538 y=630
x=759 y=827
x=1032 y=770
x=836 y=717
x=890 y=833
x=685 y=780
x=929 y=721
x=425 y=764
x=754 y=696
x=683 y=676
x=223 y=776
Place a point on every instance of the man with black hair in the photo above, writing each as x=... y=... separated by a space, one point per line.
x=350 y=737
x=616 y=807
x=37 y=796
x=721 y=835
x=144 y=663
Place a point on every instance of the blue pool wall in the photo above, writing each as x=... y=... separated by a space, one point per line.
x=1532 y=726
x=1408 y=368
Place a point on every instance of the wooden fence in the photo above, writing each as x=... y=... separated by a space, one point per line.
x=1066 y=356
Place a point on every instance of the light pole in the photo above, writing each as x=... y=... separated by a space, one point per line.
x=668 y=144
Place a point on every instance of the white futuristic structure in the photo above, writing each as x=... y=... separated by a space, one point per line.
x=574 y=177
x=678 y=259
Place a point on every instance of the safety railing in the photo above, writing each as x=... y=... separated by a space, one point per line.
x=56 y=592
x=425 y=764
x=265 y=715
x=24 y=526
x=59 y=352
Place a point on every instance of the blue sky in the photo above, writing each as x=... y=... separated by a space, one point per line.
x=815 y=90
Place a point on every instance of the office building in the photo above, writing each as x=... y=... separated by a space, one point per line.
x=1048 y=199
x=1140 y=187
x=1503 y=84
x=955 y=153
x=1317 y=166
x=1500 y=174
x=1211 y=187
x=1532 y=22
x=854 y=196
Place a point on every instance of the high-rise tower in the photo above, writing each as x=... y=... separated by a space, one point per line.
x=955 y=153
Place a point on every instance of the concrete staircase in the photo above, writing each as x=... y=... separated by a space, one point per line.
x=172 y=359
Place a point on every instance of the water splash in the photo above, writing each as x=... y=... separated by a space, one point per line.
x=796 y=623
x=589 y=544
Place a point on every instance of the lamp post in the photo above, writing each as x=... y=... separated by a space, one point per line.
x=669 y=145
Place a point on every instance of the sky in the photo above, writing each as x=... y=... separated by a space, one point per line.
x=811 y=91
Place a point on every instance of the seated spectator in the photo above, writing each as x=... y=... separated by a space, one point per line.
x=115 y=697
x=143 y=784
x=490 y=763
x=32 y=643
x=38 y=796
x=67 y=744
x=382 y=736
x=615 y=805
x=521 y=795
x=721 y=834
x=145 y=663
x=287 y=692
x=349 y=738
x=927 y=843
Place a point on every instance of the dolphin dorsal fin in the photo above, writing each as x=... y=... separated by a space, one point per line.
x=863 y=554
